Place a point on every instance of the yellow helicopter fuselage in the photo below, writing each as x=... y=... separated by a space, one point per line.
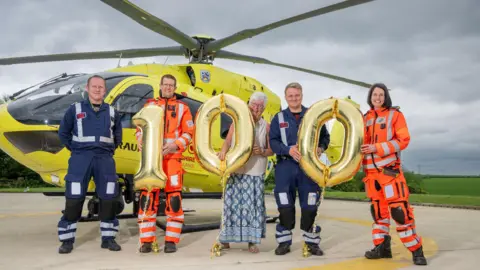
x=29 y=125
x=28 y=141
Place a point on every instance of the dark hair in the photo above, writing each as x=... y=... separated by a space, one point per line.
x=95 y=76
x=388 y=101
x=168 y=76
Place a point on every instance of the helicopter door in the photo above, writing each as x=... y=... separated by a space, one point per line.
x=128 y=100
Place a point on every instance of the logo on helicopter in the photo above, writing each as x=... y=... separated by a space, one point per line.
x=205 y=76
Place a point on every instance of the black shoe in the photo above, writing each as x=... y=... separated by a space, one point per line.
x=315 y=249
x=418 y=257
x=111 y=245
x=146 y=247
x=282 y=249
x=383 y=250
x=66 y=247
x=170 y=247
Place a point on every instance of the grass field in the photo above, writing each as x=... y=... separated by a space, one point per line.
x=453 y=186
x=415 y=198
x=448 y=191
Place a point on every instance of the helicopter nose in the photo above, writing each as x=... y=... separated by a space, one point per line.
x=17 y=136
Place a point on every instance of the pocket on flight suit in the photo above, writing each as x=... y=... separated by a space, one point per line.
x=107 y=183
x=174 y=182
x=390 y=188
x=75 y=186
x=76 y=183
x=109 y=187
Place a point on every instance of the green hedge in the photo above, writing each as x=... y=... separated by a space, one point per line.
x=15 y=175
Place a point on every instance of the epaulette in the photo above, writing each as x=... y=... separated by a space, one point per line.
x=397 y=108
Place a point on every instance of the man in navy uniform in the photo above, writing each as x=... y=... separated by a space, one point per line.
x=289 y=175
x=91 y=130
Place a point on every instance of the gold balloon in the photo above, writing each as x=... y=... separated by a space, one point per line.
x=308 y=136
x=244 y=134
x=150 y=174
x=244 y=138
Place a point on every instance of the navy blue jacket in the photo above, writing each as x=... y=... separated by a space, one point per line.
x=83 y=129
x=290 y=125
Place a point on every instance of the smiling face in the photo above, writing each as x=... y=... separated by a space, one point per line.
x=294 y=97
x=168 y=87
x=256 y=107
x=378 y=97
x=96 y=90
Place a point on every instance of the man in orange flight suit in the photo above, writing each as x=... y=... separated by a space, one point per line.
x=386 y=135
x=177 y=136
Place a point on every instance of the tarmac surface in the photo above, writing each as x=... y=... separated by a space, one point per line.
x=28 y=240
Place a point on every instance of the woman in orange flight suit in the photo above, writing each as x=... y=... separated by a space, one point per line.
x=386 y=135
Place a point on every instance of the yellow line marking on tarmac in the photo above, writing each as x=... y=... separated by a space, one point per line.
x=402 y=257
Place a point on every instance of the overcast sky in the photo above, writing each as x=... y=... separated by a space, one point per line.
x=427 y=51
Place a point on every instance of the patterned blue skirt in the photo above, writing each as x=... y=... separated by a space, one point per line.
x=244 y=217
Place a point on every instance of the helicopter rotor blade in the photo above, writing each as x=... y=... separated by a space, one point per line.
x=258 y=60
x=152 y=22
x=132 y=53
x=249 y=33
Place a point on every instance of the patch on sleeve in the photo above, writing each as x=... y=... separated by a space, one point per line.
x=190 y=123
x=284 y=125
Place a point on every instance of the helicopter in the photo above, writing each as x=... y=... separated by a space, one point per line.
x=29 y=120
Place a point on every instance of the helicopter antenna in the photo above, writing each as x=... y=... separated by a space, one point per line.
x=119 y=59
x=166 y=59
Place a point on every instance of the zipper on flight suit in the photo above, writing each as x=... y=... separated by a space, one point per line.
x=374 y=141
x=165 y=122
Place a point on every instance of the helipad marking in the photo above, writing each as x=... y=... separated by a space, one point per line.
x=402 y=257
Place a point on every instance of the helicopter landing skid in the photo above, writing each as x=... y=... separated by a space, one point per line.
x=90 y=217
x=205 y=226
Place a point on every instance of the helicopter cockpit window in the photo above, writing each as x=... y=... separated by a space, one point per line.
x=131 y=101
x=47 y=103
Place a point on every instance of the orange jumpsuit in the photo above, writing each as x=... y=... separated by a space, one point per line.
x=179 y=129
x=384 y=181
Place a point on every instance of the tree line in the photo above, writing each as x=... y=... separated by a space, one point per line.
x=15 y=175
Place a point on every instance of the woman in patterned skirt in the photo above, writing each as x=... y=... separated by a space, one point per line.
x=244 y=203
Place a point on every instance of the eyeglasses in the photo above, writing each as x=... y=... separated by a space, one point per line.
x=259 y=106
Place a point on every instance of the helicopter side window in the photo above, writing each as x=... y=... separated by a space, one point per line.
x=131 y=101
x=225 y=120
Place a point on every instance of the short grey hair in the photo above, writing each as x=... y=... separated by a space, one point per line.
x=258 y=96
x=295 y=85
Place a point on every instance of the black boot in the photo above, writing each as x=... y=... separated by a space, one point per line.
x=170 y=247
x=282 y=249
x=111 y=245
x=418 y=257
x=315 y=249
x=383 y=250
x=146 y=247
x=66 y=247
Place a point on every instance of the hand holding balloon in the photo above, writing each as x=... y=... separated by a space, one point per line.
x=224 y=163
x=150 y=174
x=315 y=117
